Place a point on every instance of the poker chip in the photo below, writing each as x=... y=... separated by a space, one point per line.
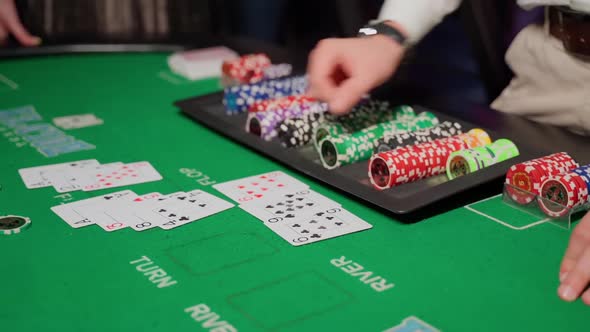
x=276 y=104
x=265 y=123
x=362 y=116
x=467 y=161
x=277 y=71
x=246 y=69
x=391 y=141
x=238 y=99
x=414 y=162
x=336 y=151
x=10 y=225
x=561 y=194
x=297 y=131
x=524 y=180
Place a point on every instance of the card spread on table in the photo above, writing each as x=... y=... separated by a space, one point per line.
x=124 y=209
x=290 y=209
x=88 y=175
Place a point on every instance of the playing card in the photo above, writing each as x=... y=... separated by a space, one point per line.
x=69 y=179
x=195 y=205
x=137 y=213
x=123 y=175
x=77 y=121
x=70 y=212
x=289 y=205
x=318 y=226
x=259 y=186
x=106 y=213
x=35 y=177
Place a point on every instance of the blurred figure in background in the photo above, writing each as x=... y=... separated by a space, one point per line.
x=11 y=25
x=147 y=21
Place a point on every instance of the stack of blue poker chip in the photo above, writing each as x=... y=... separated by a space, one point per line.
x=237 y=99
x=584 y=173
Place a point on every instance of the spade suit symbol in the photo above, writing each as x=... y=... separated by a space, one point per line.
x=305 y=231
x=171 y=215
x=202 y=205
x=316 y=236
x=322 y=227
x=339 y=223
x=290 y=216
x=108 y=197
x=183 y=219
x=296 y=225
x=162 y=210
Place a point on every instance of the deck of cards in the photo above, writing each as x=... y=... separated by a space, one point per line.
x=290 y=209
x=77 y=121
x=88 y=175
x=125 y=209
x=200 y=63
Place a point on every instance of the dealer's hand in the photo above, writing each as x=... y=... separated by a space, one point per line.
x=10 y=24
x=574 y=273
x=341 y=71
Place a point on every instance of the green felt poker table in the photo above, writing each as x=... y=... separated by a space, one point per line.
x=481 y=267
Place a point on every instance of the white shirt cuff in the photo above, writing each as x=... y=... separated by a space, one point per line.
x=417 y=17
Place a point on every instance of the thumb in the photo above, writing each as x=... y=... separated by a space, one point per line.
x=348 y=94
x=16 y=28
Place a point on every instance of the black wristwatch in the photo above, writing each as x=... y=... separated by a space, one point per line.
x=381 y=28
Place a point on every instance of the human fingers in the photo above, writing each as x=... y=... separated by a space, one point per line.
x=579 y=241
x=577 y=279
x=13 y=25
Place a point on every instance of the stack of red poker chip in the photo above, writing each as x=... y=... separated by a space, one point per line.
x=560 y=194
x=279 y=103
x=525 y=179
x=410 y=163
x=246 y=69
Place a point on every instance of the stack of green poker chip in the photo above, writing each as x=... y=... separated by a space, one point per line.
x=362 y=116
x=10 y=225
x=471 y=160
x=336 y=151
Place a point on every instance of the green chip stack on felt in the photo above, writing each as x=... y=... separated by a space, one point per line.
x=471 y=160
x=336 y=151
x=361 y=117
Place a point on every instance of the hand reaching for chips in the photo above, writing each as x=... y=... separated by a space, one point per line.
x=341 y=71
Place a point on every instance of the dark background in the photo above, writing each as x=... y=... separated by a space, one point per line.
x=458 y=68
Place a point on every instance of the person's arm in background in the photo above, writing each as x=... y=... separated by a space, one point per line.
x=10 y=24
x=341 y=71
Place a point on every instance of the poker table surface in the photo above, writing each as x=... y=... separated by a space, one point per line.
x=482 y=267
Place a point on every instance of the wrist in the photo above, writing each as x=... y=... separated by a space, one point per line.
x=391 y=30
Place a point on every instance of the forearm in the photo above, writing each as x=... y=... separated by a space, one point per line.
x=417 y=17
